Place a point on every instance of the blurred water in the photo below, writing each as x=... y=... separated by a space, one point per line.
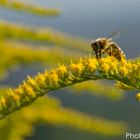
x=89 y=19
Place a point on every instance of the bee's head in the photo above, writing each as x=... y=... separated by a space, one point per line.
x=98 y=46
x=98 y=43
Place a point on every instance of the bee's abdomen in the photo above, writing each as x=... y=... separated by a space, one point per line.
x=119 y=55
x=117 y=51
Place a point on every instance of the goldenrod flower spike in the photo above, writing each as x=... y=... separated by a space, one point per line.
x=97 y=88
x=86 y=69
x=28 y=8
x=14 y=55
x=49 y=110
x=43 y=34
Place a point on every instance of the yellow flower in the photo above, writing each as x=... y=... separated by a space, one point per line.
x=91 y=65
x=138 y=96
x=75 y=72
x=30 y=81
x=3 y=102
x=61 y=70
x=40 y=79
x=104 y=67
x=76 y=69
x=28 y=90
x=104 y=64
x=113 y=65
x=15 y=96
x=123 y=71
x=123 y=61
x=54 y=79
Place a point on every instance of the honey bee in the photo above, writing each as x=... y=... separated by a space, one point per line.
x=106 y=46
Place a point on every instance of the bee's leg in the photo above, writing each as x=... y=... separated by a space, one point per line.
x=97 y=55
x=103 y=52
x=109 y=51
x=100 y=53
x=94 y=53
x=112 y=52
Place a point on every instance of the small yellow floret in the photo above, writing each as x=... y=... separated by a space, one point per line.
x=3 y=102
x=53 y=79
x=105 y=67
x=28 y=90
x=76 y=69
x=40 y=79
x=123 y=71
x=138 y=96
x=31 y=81
x=61 y=70
x=92 y=65
x=15 y=96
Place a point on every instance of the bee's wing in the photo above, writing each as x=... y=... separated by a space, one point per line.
x=116 y=48
x=116 y=34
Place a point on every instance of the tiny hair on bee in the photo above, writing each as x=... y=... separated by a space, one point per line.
x=106 y=46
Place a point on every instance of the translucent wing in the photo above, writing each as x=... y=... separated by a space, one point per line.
x=116 y=34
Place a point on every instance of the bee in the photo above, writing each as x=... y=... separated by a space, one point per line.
x=106 y=46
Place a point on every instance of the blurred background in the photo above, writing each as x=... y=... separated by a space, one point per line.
x=88 y=20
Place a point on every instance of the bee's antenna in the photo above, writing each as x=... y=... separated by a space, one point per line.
x=116 y=34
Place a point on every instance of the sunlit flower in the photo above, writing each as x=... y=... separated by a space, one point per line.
x=76 y=69
x=14 y=96
x=91 y=64
x=54 y=79
x=123 y=71
x=61 y=70
x=3 y=102
x=138 y=96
